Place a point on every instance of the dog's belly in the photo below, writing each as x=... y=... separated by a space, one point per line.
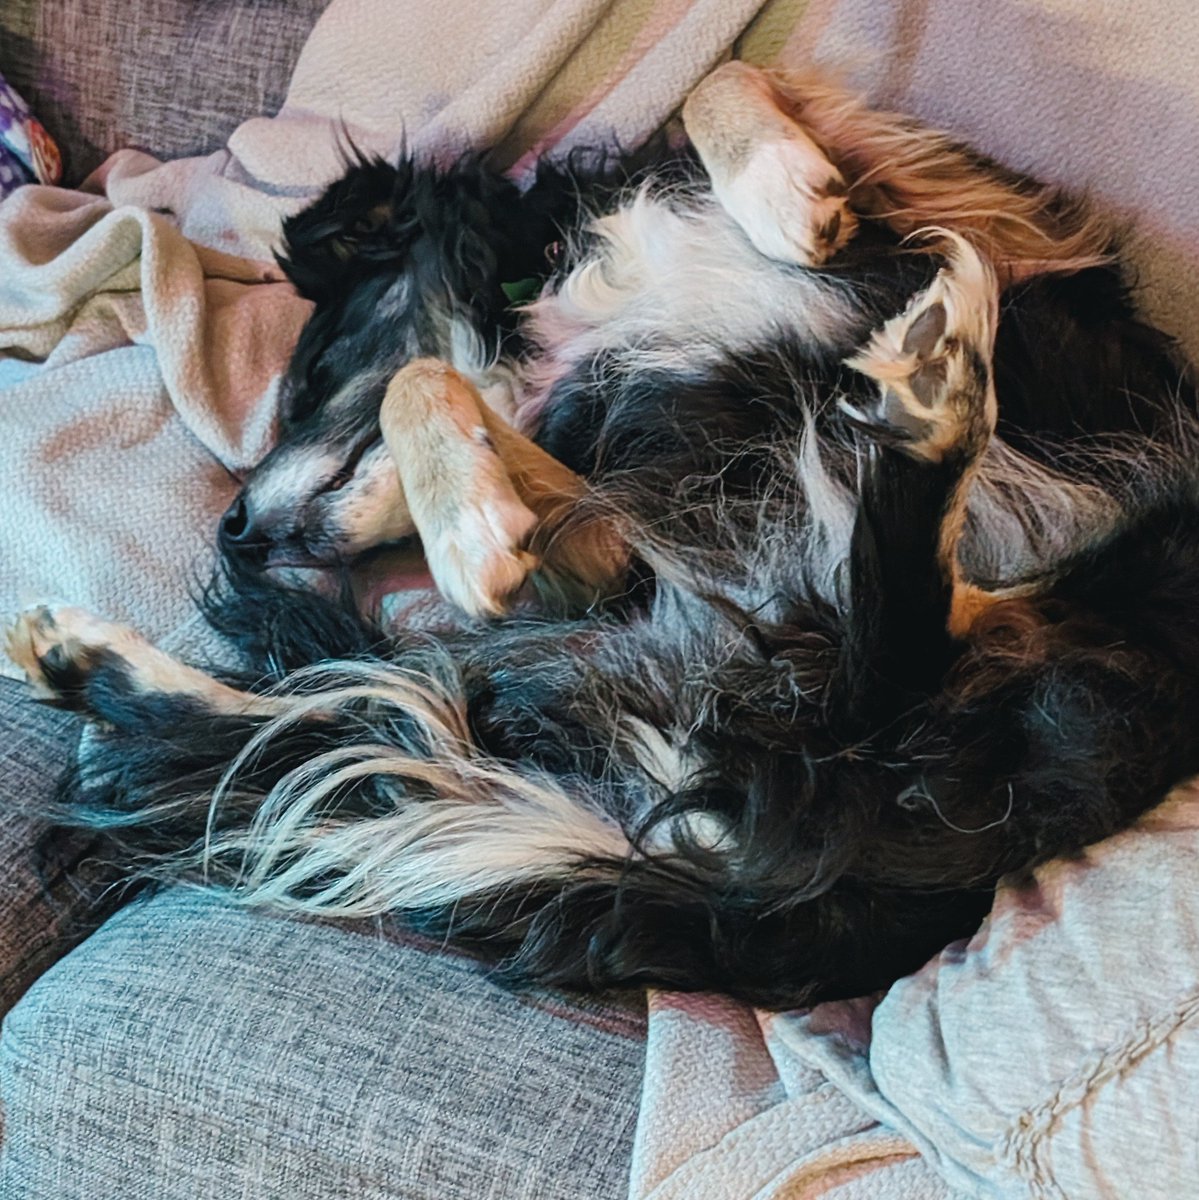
x=675 y=286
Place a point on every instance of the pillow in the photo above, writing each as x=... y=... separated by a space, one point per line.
x=1057 y=1053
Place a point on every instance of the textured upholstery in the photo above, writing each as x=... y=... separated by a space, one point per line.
x=307 y=1061
x=42 y=913
x=171 y=76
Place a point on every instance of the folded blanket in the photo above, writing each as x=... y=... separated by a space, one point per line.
x=442 y=79
x=138 y=375
x=743 y=1105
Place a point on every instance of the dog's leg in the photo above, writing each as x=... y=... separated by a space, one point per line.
x=473 y=525
x=933 y=417
x=76 y=660
x=768 y=173
x=490 y=506
x=898 y=172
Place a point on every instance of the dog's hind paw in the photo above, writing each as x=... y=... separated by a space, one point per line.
x=932 y=364
x=788 y=198
x=791 y=202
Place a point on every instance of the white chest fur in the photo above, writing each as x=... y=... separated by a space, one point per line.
x=672 y=283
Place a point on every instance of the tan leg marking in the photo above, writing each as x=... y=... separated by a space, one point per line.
x=71 y=639
x=490 y=506
x=581 y=549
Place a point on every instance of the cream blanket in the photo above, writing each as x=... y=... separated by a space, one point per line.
x=138 y=365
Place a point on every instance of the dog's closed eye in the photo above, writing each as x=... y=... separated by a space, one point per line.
x=346 y=473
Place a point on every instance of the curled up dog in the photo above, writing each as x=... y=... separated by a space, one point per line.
x=820 y=541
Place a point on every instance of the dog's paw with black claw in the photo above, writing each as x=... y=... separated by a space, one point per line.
x=932 y=364
x=792 y=203
x=779 y=186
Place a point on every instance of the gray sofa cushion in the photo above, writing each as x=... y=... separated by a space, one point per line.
x=43 y=913
x=308 y=1061
x=175 y=78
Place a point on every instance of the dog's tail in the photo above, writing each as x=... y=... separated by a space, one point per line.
x=366 y=795
x=359 y=791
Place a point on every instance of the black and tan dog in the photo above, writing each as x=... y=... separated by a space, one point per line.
x=771 y=654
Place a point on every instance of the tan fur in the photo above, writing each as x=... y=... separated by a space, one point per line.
x=911 y=177
x=490 y=506
x=898 y=172
x=975 y=611
x=77 y=635
x=578 y=545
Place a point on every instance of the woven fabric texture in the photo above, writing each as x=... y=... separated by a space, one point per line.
x=173 y=78
x=309 y=1061
x=42 y=911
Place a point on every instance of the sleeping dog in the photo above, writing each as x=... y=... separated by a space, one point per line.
x=820 y=538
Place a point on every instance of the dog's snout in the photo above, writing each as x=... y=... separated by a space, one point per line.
x=237 y=525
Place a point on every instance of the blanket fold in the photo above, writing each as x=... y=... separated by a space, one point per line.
x=738 y=1104
x=85 y=278
x=137 y=371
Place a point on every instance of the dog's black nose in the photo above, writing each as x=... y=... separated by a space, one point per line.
x=237 y=527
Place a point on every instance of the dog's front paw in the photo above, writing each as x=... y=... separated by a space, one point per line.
x=472 y=524
x=790 y=201
x=59 y=648
x=932 y=364
x=476 y=553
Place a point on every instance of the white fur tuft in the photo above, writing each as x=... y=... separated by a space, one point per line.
x=485 y=828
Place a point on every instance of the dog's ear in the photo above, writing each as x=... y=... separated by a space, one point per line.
x=355 y=222
x=464 y=221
